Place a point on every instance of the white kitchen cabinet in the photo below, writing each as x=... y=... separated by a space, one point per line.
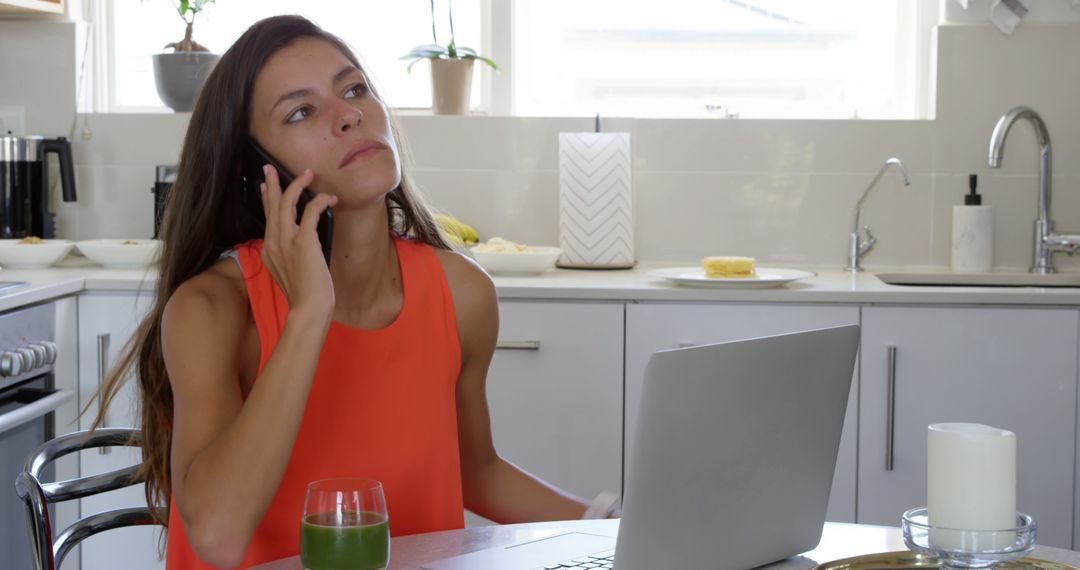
x=653 y=327
x=1076 y=478
x=555 y=393
x=106 y=322
x=1010 y=368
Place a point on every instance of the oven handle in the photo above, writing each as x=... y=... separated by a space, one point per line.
x=34 y=410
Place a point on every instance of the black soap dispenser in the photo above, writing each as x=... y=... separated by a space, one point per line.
x=972 y=232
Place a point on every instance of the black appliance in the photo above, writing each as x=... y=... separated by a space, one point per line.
x=24 y=185
x=163 y=181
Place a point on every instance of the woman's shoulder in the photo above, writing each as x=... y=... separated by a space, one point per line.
x=471 y=287
x=217 y=292
x=206 y=333
x=476 y=306
x=462 y=271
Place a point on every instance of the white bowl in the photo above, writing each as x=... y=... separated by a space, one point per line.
x=532 y=261
x=121 y=253
x=17 y=255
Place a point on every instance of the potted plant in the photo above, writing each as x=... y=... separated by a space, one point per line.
x=179 y=75
x=451 y=69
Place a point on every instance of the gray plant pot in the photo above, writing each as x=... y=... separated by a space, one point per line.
x=180 y=76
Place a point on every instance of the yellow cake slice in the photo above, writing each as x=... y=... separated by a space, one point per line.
x=728 y=266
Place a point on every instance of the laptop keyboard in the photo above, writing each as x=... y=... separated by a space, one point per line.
x=600 y=561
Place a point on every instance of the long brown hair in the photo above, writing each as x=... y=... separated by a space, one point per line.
x=207 y=213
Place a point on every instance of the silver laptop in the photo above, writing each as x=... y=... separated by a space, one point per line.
x=733 y=460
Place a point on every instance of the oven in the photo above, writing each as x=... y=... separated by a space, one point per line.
x=28 y=398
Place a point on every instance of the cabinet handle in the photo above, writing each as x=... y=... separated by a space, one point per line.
x=102 y=370
x=518 y=345
x=890 y=405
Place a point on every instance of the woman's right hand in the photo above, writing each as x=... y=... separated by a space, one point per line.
x=292 y=252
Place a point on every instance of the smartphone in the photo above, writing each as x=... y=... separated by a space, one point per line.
x=258 y=157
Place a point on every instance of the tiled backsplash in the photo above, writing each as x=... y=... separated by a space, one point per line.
x=782 y=191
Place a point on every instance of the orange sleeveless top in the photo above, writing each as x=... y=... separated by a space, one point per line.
x=382 y=405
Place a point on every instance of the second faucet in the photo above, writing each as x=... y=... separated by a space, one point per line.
x=858 y=245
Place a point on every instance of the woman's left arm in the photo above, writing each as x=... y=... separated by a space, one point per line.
x=493 y=487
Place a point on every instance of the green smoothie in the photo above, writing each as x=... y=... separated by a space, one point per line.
x=349 y=541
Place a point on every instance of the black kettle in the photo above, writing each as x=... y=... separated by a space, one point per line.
x=24 y=184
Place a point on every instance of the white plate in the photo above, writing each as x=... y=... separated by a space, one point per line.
x=766 y=277
x=17 y=255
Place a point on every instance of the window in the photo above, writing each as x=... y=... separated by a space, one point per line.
x=707 y=58
x=632 y=58
x=379 y=31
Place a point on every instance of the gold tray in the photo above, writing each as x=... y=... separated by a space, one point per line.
x=906 y=559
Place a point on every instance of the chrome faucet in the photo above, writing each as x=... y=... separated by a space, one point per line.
x=858 y=245
x=1046 y=241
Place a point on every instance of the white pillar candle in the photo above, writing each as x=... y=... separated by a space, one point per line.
x=971 y=482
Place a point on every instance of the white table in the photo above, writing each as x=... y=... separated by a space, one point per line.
x=839 y=540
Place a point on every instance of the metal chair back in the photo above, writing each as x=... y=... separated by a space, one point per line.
x=38 y=495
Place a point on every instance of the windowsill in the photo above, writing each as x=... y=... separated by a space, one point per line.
x=412 y=113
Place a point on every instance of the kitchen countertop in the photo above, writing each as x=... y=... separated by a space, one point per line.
x=830 y=285
x=838 y=540
x=72 y=275
x=76 y=274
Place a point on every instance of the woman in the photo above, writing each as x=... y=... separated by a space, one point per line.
x=263 y=369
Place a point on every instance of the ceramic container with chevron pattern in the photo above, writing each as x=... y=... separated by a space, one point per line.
x=596 y=202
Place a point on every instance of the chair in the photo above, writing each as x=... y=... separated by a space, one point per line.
x=49 y=554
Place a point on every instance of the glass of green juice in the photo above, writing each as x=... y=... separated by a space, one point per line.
x=345 y=525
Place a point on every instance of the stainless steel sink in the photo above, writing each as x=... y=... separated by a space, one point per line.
x=982 y=279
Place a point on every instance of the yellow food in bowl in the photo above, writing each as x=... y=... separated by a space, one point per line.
x=500 y=245
x=729 y=266
x=31 y=239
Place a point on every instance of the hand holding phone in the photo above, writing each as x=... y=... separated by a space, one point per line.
x=254 y=176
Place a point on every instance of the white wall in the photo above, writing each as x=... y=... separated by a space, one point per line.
x=779 y=190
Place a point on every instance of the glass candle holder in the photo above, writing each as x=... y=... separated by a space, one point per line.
x=960 y=549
